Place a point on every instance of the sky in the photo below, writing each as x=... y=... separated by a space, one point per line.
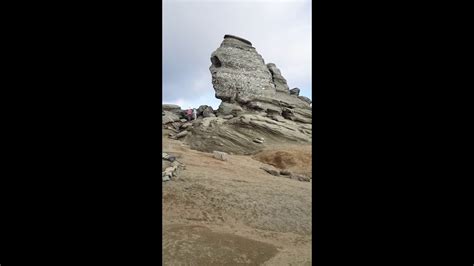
x=280 y=31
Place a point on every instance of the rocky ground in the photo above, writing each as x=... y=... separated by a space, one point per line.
x=234 y=213
x=237 y=180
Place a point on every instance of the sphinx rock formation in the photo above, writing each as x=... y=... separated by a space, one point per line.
x=256 y=103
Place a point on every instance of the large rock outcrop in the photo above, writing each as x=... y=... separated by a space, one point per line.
x=257 y=107
x=237 y=135
x=240 y=76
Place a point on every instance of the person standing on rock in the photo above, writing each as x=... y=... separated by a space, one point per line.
x=189 y=112
x=194 y=114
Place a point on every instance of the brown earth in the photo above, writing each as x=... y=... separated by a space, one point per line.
x=233 y=213
x=296 y=159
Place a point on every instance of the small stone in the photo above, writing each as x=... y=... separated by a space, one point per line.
x=300 y=178
x=271 y=171
x=221 y=155
x=285 y=172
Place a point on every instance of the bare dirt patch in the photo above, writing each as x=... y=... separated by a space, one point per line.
x=293 y=158
x=236 y=209
x=198 y=245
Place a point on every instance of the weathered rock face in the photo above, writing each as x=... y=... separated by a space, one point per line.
x=169 y=117
x=278 y=79
x=240 y=76
x=173 y=108
x=229 y=109
x=237 y=135
x=257 y=108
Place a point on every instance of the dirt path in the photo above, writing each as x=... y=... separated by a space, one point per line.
x=233 y=213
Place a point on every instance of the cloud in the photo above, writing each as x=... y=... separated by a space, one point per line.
x=192 y=30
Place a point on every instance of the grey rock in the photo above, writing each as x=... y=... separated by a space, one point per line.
x=258 y=97
x=208 y=112
x=201 y=109
x=270 y=170
x=169 y=117
x=285 y=172
x=306 y=99
x=182 y=134
x=295 y=91
x=220 y=155
x=173 y=108
x=186 y=125
x=170 y=107
x=300 y=178
x=229 y=109
x=176 y=125
x=278 y=79
x=265 y=107
x=237 y=134
x=238 y=38
x=240 y=76
x=165 y=164
x=298 y=115
x=277 y=118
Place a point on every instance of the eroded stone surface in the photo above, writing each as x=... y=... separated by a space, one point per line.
x=256 y=102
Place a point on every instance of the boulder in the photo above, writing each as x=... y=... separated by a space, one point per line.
x=295 y=91
x=208 y=112
x=173 y=108
x=169 y=117
x=229 y=109
x=201 y=109
x=170 y=107
x=285 y=172
x=220 y=155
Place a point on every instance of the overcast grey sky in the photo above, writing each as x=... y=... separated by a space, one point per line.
x=280 y=30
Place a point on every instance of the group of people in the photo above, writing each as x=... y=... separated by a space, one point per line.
x=191 y=114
